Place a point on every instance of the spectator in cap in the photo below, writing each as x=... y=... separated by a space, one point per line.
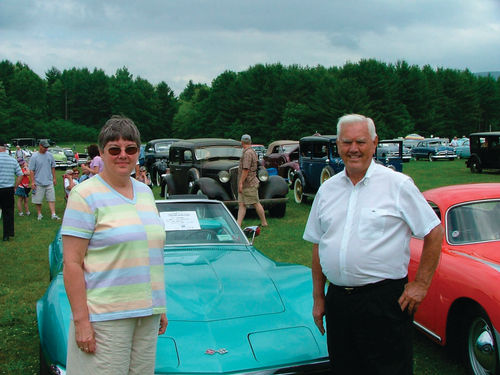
x=248 y=183
x=8 y=184
x=43 y=179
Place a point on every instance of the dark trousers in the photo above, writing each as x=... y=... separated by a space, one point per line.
x=7 y=206
x=367 y=333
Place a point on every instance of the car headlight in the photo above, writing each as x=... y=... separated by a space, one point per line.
x=263 y=175
x=224 y=176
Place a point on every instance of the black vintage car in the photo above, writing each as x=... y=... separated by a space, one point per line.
x=209 y=166
x=156 y=157
x=484 y=151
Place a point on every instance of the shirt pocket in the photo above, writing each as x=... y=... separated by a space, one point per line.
x=372 y=223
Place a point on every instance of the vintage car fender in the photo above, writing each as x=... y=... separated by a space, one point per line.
x=466 y=284
x=211 y=188
x=274 y=187
x=167 y=186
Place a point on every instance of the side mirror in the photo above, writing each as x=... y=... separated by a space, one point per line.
x=252 y=232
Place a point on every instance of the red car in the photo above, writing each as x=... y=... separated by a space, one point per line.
x=462 y=306
x=284 y=156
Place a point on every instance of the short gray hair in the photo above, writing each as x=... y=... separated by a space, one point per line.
x=354 y=118
x=119 y=127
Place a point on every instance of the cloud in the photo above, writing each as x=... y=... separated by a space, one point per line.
x=175 y=41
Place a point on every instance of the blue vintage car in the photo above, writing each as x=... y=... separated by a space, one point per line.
x=463 y=149
x=231 y=309
x=318 y=161
x=433 y=149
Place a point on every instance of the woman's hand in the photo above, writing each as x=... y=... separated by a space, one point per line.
x=163 y=324
x=85 y=337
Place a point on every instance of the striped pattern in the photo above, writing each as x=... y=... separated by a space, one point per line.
x=123 y=267
x=9 y=169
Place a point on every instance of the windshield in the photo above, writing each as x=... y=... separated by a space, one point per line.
x=474 y=222
x=162 y=147
x=189 y=223
x=224 y=152
x=288 y=148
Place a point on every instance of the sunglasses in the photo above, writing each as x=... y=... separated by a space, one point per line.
x=130 y=150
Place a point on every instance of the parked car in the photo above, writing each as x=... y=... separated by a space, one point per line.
x=390 y=153
x=59 y=157
x=231 y=309
x=210 y=166
x=156 y=158
x=463 y=150
x=24 y=142
x=260 y=150
x=284 y=157
x=462 y=306
x=318 y=161
x=70 y=156
x=433 y=149
x=484 y=151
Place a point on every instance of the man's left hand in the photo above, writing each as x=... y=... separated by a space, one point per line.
x=412 y=296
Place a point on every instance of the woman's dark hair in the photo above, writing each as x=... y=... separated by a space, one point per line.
x=93 y=151
x=119 y=127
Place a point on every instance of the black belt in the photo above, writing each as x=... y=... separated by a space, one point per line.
x=367 y=287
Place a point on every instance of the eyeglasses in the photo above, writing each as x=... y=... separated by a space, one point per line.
x=130 y=150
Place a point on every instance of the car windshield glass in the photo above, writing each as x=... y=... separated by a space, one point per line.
x=288 y=148
x=205 y=153
x=190 y=223
x=474 y=222
x=162 y=147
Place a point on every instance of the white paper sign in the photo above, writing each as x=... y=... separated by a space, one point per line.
x=180 y=220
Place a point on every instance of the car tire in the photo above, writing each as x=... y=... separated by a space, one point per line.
x=326 y=173
x=277 y=210
x=479 y=343
x=289 y=175
x=298 y=191
x=475 y=165
x=429 y=157
x=154 y=177
x=193 y=175
x=157 y=178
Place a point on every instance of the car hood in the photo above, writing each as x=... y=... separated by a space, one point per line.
x=220 y=165
x=228 y=282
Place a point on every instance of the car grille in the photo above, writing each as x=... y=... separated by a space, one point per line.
x=233 y=173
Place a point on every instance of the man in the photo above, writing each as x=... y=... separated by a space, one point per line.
x=43 y=179
x=248 y=183
x=9 y=168
x=360 y=225
x=454 y=142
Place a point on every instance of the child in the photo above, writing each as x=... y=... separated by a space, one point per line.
x=23 y=190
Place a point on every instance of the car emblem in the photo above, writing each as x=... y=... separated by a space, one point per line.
x=212 y=351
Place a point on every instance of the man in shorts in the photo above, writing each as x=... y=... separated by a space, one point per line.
x=248 y=183
x=43 y=178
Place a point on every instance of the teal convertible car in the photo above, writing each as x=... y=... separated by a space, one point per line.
x=231 y=309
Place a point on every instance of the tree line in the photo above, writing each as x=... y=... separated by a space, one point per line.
x=268 y=101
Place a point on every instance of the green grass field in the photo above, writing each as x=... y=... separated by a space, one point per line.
x=24 y=268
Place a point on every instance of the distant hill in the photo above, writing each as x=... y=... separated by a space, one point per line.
x=485 y=74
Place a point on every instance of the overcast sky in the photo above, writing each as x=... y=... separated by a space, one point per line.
x=178 y=40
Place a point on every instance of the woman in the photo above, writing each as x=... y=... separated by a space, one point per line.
x=142 y=176
x=23 y=190
x=96 y=164
x=113 y=263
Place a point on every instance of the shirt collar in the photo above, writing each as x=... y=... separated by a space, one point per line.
x=366 y=179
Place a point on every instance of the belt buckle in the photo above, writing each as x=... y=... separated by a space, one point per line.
x=348 y=290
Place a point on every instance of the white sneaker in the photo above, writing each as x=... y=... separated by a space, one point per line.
x=28 y=213
x=55 y=217
x=40 y=216
x=21 y=214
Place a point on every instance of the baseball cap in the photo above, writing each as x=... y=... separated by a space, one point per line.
x=44 y=143
x=246 y=138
